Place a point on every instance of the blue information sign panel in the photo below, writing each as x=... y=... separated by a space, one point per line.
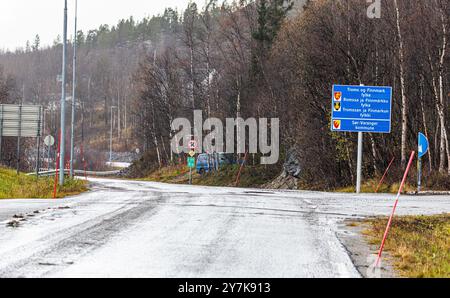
x=424 y=145
x=361 y=109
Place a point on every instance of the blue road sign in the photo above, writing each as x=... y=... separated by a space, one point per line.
x=361 y=109
x=423 y=145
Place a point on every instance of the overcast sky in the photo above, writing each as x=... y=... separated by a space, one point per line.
x=21 y=20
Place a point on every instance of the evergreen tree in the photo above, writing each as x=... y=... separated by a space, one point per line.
x=271 y=14
x=37 y=43
x=57 y=41
x=27 y=47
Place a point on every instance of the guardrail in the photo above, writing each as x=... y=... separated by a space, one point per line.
x=77 y=172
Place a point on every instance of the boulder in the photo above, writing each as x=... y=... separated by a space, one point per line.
x=292 y=166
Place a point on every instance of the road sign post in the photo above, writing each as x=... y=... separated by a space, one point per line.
x=423 y=146
x=359 y=162
x=191 y=162
x=191 y=159
x=361 y=109
x=49 y=141
x=20 y=121
x=191 y=165
x=38 y=155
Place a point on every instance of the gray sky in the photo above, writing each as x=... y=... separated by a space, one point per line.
x=21 y=20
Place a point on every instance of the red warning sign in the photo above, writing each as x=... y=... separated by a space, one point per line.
x=192 y=144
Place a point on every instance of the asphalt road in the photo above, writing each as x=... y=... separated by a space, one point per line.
x=144 y=229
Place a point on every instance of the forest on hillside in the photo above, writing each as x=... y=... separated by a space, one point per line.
x=255 y=58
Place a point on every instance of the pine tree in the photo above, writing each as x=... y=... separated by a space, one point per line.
x=27 y=47
x=37 y=43
x=271 y=14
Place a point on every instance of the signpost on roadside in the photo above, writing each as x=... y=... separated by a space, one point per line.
x=49 y=141
x=21 y=121
x=361 y=109
x=191 y=159
x=423 y=146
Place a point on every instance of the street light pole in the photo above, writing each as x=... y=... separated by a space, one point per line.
x=63 y=100
x=111 y=135
x=74 y=84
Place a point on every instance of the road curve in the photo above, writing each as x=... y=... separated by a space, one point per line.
x=144 y=229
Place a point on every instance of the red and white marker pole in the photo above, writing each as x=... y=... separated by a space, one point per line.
x=240 y=169
x=384 y=176
x=405 y=176
x=84 y=161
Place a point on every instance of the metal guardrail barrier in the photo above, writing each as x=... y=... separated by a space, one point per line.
x=77 y=172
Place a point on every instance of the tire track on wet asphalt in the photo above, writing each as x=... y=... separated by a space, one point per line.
x=72 y=243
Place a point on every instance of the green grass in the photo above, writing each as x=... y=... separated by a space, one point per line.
x=13 y=186
x=419 y=245
x=252 y=176
x=369 y=186
x=169 y=174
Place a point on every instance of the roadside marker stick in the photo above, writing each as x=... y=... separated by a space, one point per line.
x=240 y=169
x=385 y=174
x=84 y=161
x=411 y=159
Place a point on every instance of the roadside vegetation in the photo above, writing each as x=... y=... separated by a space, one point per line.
x=13 y=186
x=430 y=182
x=371 y=185
x=419 y=245
x=251 y=176
x=170 y=174
x=256 y=59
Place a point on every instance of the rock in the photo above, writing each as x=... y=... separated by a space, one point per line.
x=289 y=178
x=283 y=182
x=13 y=224
x=292 y=164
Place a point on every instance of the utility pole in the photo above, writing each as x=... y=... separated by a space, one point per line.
x=74 y=85
x=63 y=100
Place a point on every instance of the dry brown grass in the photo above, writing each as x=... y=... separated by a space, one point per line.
x=419 y=245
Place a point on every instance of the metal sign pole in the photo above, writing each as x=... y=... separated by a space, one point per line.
x=62 y=155
x=359 y=163
x=38 y=144
x=74 y=84
x=423 y=147
x=18 y=139
x=48 y=158
x=1 y=132
x=419 y=183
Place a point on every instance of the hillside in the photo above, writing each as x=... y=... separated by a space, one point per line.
x=253 y=59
